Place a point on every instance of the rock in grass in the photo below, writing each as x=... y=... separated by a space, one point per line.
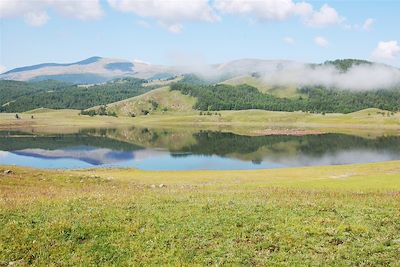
x=16 y=263
x=162 y=185
x=153 y=186
x=8 y=172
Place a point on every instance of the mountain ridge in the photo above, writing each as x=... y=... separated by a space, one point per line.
x=98 y=69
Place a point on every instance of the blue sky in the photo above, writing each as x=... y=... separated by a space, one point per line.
x=171 y=32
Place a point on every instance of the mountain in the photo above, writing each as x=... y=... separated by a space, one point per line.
x=88 y=71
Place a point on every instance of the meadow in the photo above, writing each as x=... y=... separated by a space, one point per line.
x=337 y=216
x=247 y=122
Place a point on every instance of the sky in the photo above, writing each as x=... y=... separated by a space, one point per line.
x=197 y=31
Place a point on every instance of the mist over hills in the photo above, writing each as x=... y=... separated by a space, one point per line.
x=343 y=74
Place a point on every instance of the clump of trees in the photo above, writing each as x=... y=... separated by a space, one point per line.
x=102 y=111
x=345 y=64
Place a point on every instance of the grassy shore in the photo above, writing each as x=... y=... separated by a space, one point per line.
x=337 y=215
x=248 y=122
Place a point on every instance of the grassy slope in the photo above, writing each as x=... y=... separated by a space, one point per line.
x=166 y=99
x=253 y=122
x=287 y=91
x=338 y=215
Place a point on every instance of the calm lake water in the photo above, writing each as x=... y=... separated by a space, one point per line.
x=187 y=150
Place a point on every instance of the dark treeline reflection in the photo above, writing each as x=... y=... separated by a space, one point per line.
x=223 y=144
x=12 y=140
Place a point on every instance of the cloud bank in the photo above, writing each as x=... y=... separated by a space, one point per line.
x=360 y=77
x=290 y=73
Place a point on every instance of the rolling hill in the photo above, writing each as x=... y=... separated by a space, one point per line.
x=158 y=100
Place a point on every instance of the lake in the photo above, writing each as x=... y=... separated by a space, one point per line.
x=150 y=149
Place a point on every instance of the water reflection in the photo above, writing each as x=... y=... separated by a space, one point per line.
x=186 y=149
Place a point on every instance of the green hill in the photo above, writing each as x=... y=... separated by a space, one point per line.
x=158 y=100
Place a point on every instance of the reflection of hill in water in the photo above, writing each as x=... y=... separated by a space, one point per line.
x=182 y=143
x=255 y=148
x=91 y=155
x=151 y=138
x=113 y=143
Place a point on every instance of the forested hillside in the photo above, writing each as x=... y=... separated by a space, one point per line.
x=23 y=96
x=12 y=90
x=317 y=99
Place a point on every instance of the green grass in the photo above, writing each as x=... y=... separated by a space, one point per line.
x=335 y=216
x=248 y=122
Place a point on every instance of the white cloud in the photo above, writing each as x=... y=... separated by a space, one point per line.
x=35 y=13
x=289 y=40
x=368 y=24
x=174 y=28
x=36 y=19
x=386 y=50
x=321 y=41
x=263 y=10
x=278 y=10
x=2 y=69
x=326 y=16
x=170 y=14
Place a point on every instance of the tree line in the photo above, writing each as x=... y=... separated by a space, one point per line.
x=316 y=99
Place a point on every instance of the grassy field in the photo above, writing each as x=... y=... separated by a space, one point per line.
x=248 y=122
x=336 y=216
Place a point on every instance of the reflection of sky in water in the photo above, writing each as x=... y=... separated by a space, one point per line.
x=152 y=159
x=194 y=162
x=146 y=159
